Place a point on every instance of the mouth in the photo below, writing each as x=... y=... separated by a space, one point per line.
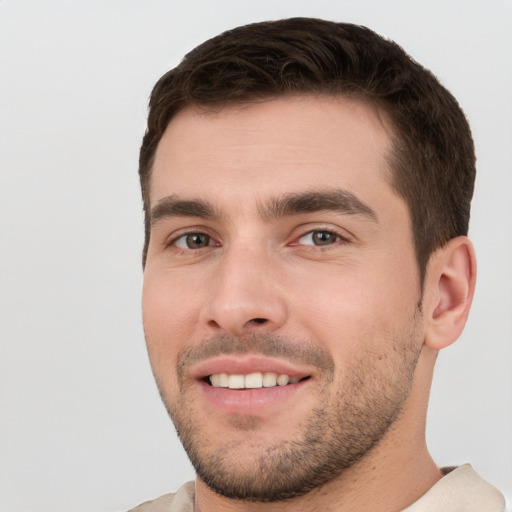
x=249 y=384
x=254 y=380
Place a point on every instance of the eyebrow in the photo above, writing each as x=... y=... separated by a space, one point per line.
x=172 y=206
x=338 y=200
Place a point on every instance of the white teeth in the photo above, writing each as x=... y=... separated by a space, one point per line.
x=269 y=379
x=220 y=380
x=282 y=380
x=236 y=382
x=254 y=380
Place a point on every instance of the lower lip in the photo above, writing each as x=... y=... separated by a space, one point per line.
x=251 y=401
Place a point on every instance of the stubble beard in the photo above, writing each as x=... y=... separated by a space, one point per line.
x=345 y=426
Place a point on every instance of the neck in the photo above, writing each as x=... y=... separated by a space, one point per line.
x=392 y=476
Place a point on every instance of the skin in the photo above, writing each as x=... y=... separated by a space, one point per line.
x=258 y=279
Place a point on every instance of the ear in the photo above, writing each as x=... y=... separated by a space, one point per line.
x=450 y=279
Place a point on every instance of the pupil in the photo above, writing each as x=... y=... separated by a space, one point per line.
x=197 y=240
x=323 y=238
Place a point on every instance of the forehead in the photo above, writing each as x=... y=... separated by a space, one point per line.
x=274 y=147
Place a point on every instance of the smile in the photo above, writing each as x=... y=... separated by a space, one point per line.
x=250 y=384
x=253 y=380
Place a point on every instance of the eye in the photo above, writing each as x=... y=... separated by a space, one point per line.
x=193 y=241
x=320 y=237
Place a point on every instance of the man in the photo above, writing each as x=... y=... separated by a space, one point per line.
x=307 y=191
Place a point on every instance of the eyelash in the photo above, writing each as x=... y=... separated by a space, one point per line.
x=172 y=243
x=339 y=239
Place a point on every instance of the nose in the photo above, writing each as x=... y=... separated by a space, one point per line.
x=246 y=294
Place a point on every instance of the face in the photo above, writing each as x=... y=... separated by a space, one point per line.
x=281 y=292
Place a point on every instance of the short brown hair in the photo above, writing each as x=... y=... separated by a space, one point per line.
x=433 y=161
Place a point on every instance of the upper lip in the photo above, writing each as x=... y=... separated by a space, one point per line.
x=246 y=364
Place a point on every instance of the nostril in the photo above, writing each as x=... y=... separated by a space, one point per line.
x=259 y=320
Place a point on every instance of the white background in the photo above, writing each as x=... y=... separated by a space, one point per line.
x=81 y=424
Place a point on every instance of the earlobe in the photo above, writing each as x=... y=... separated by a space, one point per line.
x=451 y=277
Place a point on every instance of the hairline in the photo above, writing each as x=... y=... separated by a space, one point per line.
x=216 y=107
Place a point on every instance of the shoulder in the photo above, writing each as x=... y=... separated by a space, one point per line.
x=460 y=490
x=180 y=501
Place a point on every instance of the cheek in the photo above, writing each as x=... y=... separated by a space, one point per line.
x=356 y=305
x=169 y=318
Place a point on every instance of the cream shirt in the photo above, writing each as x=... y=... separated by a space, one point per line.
x=461 y=490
